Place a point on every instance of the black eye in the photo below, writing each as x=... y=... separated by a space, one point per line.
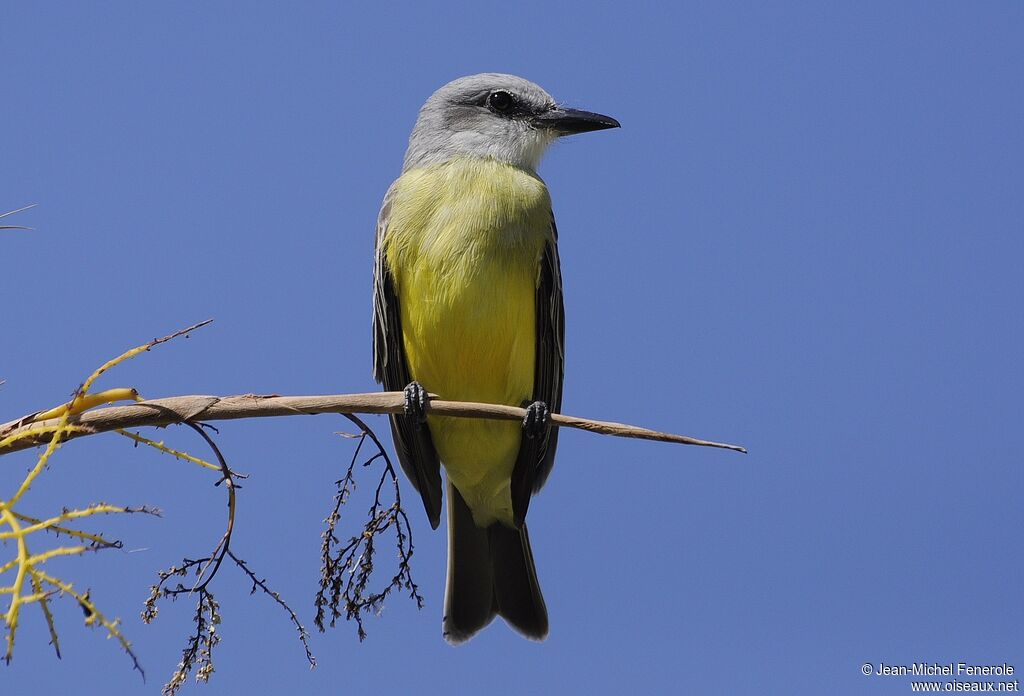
x=501 y=102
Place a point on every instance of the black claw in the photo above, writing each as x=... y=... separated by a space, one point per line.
x=416 y=402
x=535 y=422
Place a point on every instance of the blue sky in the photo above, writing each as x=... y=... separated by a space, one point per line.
x=806 y=238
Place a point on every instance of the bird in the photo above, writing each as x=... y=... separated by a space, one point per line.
x=468 y=306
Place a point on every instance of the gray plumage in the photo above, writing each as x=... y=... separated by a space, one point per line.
x=455 y=121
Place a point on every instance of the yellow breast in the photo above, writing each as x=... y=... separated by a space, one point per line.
x=463 y=243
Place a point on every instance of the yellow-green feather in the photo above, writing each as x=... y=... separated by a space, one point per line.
x=464 y=241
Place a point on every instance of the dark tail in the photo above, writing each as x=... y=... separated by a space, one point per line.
x=490 y=572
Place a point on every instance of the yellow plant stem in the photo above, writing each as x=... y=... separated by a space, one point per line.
x=58 y=529
x=84 y=401
x=11 y=618
x=167 y=450
x=32 y=432
x=38 y=525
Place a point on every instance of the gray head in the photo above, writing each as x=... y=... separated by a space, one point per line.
x=492 y=115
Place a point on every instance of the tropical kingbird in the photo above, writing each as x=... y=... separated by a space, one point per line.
x=468 y=306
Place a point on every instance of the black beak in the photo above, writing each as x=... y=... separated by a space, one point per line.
x=569 y=121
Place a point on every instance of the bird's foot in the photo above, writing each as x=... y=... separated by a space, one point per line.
x=416 y=402
x=536 y=420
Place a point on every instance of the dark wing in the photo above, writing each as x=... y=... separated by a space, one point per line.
x=413 y=444
x=537 y=455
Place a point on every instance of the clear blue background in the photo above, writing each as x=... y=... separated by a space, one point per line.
x=806 y=238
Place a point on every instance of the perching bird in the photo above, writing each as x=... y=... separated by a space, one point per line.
x=468 y=306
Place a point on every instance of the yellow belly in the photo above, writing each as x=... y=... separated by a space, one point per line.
x=463 y=243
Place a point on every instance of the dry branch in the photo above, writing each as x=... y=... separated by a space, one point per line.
x=178 y=409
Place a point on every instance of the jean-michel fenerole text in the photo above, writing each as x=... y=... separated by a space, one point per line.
x=930 y=669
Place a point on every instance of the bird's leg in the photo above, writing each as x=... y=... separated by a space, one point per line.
x=535 y=422
x=416 y=402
